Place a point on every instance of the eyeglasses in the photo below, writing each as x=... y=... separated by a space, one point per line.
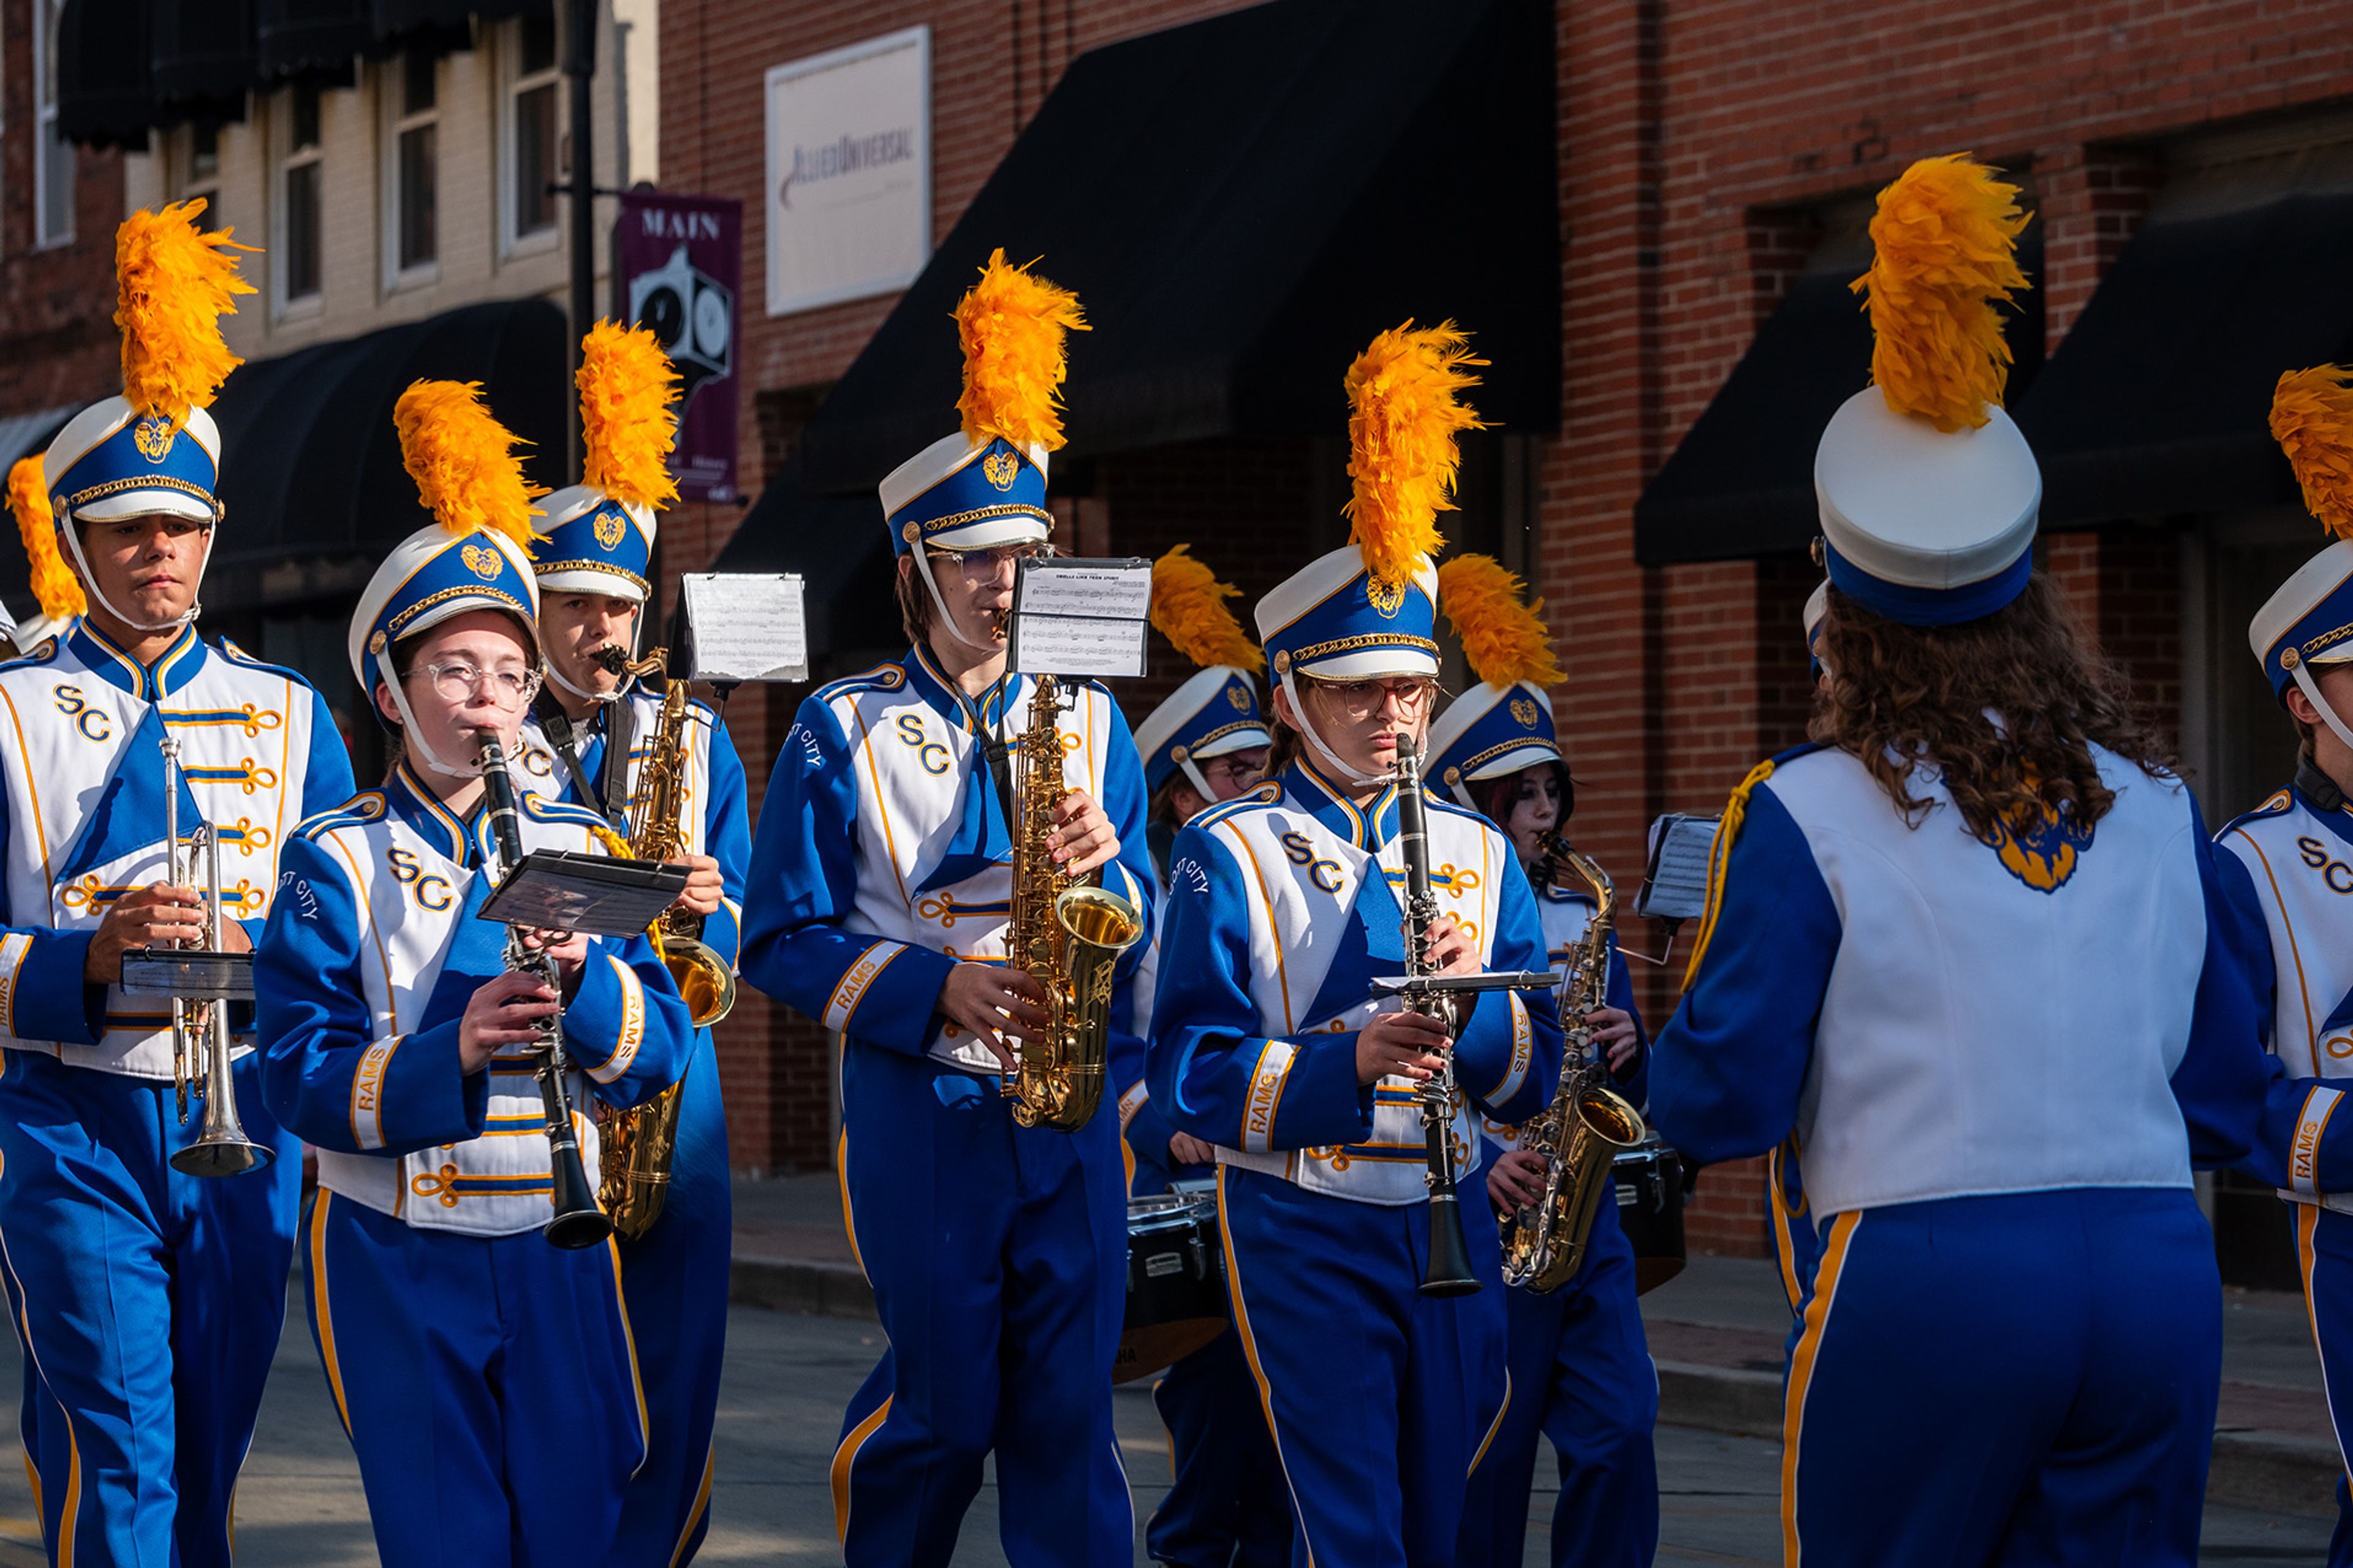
x=1359 y=698
x=510 y=686
x=980 y=566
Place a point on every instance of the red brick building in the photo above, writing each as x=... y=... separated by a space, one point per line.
x=1714 y=164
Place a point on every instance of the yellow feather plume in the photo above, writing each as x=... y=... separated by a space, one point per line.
x=1015 y=326
x=1945 y=243
x=463 y=460
x=172 y=284
x=1504 y=638
x=1404 y=413
x=1188 y=607
x=2312 y=419
x=54 y=585
x=625 y=425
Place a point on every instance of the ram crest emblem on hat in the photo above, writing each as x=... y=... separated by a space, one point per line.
x=608 y=530
x=482 y=560
x=1524 y=712
x=1384 y=597
x=1239 y=698
x=1001 y=468
x=153 y=436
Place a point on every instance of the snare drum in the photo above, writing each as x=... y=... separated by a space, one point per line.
x=1176 y=1283
x=1650 y=1197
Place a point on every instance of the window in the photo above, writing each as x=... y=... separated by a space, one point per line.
x=412 y=182
x=52 y=163
x=300 y=175
x=200 y=171
x=530 y=135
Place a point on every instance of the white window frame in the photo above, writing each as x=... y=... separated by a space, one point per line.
x=47 y=15
x=513 y=84
x=392 y=88
x=283 y=159
x=191 y=184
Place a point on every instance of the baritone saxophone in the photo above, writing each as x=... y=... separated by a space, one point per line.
x=1067 y=935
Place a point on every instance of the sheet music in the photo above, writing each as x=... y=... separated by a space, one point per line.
x=1081 y=617
x=747 y=625
x=1676 y=889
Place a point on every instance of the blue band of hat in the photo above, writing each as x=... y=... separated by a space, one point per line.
x=1928 y=606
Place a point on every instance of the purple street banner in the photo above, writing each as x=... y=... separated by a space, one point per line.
x=678 y=263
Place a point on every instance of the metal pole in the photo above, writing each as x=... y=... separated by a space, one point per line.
x=579 y=72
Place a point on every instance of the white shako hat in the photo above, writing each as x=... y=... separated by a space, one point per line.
x=2309 y=620
x=1216 y=711
x=1927 y=492
x=1506 y=722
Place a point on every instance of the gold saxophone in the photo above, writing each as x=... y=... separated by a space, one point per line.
x=1587 y=1124
x=639 y=1144
x=1069 y=938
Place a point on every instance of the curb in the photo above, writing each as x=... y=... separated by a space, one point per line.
x=2250 y=1469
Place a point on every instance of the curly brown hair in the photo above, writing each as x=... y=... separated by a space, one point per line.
x=2007 y=707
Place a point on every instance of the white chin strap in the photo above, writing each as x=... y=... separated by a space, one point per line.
x=414 y=736
x=947 y=621
x=1316 y=741
x=2311 y=690
x=90 y=582
x=636 y=640
x=1193 y=773
x=1463 y=793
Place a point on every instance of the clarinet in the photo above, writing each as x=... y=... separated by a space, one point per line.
x=1449 y=1271
x=578 y=1222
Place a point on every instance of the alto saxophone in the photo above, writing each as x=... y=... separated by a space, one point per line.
x=639 y=1144
x=1587 y=1124
x=1067 y=935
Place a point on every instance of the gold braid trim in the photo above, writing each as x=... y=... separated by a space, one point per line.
x=1719 y=858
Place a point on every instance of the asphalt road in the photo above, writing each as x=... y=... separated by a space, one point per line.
x=298 y=1505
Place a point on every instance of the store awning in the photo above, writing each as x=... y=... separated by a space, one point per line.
x=1240 y=204
x=1741 y=483
x=201 y=60
x=104 y=97
x=295 y=37
x=312 y=482
x=2159 y=401
x=837 y=545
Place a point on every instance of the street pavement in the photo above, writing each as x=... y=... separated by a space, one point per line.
x=300 y=1504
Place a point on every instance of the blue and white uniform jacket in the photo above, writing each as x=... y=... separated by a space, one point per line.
x=882 y=857
x=82 y=815
x=1566 y=916
x=1282 y=907
x=371 y=956
x=713 y=820
x=1939 y=1015
x=2288 y=874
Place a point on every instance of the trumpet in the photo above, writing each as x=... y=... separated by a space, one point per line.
x=578 y=1222
x=221 y=1149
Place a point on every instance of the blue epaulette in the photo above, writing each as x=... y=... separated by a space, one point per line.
x=546 y=809
x=1265 y=794
x=41 y=654
x=236 y=655
x=1794 y=753
x=888 y=677
x=362 y=809
x=2279 y=805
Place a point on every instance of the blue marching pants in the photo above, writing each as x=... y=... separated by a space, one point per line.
x=1226 y=1504
x=2324 y=1246
x=1581 y=1374
x=488 y=1385
x=998 y=1257
x=148 y=1304
x=675 y=1280
x=2026 y=1379
x=1382 y=1401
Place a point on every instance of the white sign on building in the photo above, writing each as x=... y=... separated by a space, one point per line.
x=849 y=172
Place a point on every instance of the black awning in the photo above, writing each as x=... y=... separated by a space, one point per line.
x=1240 y=204
x=104 y=96
x=200 y=59
x=1741 y=483
x=299 y=38
x=2160 y=399
x=311 y=484
x=838 y=546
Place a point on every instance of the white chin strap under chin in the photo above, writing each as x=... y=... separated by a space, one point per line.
x=2311 y=690
x=1316 y=741
x=90 y=582
x=414 y=737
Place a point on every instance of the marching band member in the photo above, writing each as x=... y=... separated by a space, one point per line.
x=1267 y=1044
x=1967 y=948
x=882 y=859
x=2285 y=862
x=1580 y=1367
x=148 y=1301
x=1205 y=746
x=586 y=745
x=486 y=1378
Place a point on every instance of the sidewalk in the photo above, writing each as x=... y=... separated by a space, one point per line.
x=1716 y=1333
